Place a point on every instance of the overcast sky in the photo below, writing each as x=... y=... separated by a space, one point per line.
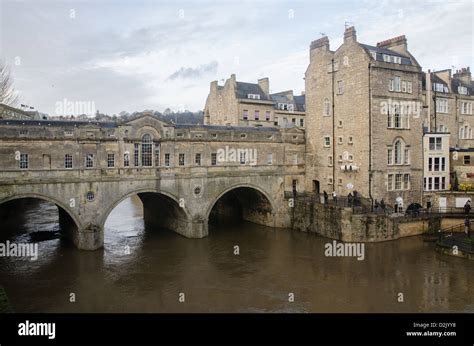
x=135 y=55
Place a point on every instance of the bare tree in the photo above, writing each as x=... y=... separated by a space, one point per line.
x=8 y=95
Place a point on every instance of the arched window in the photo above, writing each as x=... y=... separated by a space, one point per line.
x=326 y=107
x=398 y=152
x=147 y=151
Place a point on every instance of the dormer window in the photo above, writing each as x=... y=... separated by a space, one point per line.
x=439 y=87
x=253 y=96
x=179 y=134
x=283 y=106
x=462 y=90
x=392 y=59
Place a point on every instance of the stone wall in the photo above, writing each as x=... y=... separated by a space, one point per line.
x=341 y=224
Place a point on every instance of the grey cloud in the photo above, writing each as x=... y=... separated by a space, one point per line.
x=194 y=73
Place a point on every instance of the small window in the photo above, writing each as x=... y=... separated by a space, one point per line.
x=340 y=87
x=467 y=159
x=197 y=160
x=90 y=196
x=110 y=160
x=243 y=135
x=330 y=163
x=68 y=161
x=181 y=159
x=350 y=140
x=269 y=158
x=267 y=115
x=326 y=108
x=245 y=114
x=301 y=122
x=179 y=134
x=327 y=141
x=243 y=157
x=23 y=132
x=89 y=160
x=339 y=139
x=23 y=161
x=68 y=132
x=257 y=115
x=126 y=159
x=214 y=159
x=167 y=160
x=214 y=135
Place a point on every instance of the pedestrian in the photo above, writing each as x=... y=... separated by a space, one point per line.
x=355 y=198
x=349 y=199
x=467 y=207
x=334 y=197
x=467 y=227
x=376 y=206
x=326 y=197
x=382 y=205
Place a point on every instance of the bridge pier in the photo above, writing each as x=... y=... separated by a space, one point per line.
x=90 y=237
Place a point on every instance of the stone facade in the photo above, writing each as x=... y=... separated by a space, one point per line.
x=179 y=172
x=360 y=105
x=248 y=104
x=454 y=97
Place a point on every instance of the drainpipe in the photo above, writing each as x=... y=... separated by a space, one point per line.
x=333 y=131
x=370 y=141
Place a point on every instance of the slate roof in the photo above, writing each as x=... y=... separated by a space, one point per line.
x=457 y=82
x=56 y=123
x=227 y=128
x=380 y=51
x=300 y=103
x=243 y=89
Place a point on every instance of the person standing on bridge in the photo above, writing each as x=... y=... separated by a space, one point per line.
x=326 y=197
x=334 y=197
x=467 y=207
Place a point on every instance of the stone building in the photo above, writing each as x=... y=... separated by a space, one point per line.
x=364 y=124
x=436 y=163
x=8 y=112
x=251 y=104
x=454 y=99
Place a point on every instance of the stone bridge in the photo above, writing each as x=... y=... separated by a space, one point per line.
x=183 y=174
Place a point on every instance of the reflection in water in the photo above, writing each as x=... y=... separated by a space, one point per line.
x=145 y=270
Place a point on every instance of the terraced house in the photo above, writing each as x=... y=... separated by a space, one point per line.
x=364 y=123
x=251 y=104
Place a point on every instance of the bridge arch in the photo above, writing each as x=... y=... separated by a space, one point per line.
x=172 y=215
x=69 y=221
x=260 y=209
x=47 y=198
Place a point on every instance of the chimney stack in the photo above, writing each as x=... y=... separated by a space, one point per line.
x=323 y=43
x=264 y=84
x=350 y=35
x=464 y=75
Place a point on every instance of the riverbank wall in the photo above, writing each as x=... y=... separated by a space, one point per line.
x=344 y=225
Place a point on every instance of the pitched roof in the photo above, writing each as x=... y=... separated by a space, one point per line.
x=57 y=123
x=381 y=51
x=227 y=128
x=243 y=89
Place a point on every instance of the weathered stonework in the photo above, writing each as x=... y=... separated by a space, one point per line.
x=176 y=195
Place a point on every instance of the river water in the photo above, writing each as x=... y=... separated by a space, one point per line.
x=146 y=270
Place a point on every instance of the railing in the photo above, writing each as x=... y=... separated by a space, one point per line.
x=359 y=204
x=455 y=236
